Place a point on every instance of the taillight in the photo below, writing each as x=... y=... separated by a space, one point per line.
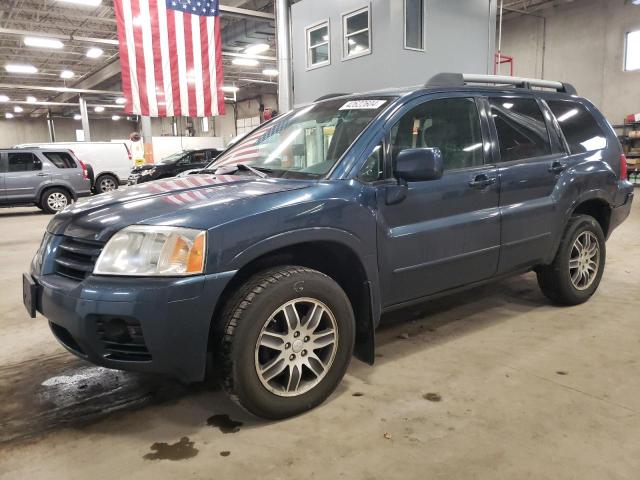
x=623 y=167
x=85 y=172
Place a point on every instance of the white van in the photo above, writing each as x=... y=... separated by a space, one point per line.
x=111 y=162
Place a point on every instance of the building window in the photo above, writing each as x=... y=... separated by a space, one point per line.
x=414 y=24
x=318 y=45
x=356 y=33
x=632 y=51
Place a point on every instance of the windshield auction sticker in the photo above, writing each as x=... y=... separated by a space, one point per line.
x=362 y=104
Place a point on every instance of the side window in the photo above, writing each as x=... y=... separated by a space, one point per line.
x=23 y=162
x=579 y=127
x=450 y=124
x=198 y=157
x=60 y=159
x=373 y=167
x=522 y=132
x=186 y=160
x=318 y=45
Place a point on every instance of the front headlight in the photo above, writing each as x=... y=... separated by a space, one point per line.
x=146 y=250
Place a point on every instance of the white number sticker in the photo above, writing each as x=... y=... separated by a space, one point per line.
x=363 y=104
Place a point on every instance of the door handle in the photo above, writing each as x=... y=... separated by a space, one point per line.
x=41 y=174
x=557 y=167
x=481 y=181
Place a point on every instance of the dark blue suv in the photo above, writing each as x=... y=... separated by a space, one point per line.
x=278 y=266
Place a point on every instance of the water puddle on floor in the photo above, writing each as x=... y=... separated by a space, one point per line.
x=180 y=450
x=224 y=423
x=60 y=390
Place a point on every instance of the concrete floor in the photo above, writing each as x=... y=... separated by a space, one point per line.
x=492 y=383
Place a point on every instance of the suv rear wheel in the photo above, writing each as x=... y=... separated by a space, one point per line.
x=106 y=183
x=287 y=341
x=54 y=200
x=575 y=273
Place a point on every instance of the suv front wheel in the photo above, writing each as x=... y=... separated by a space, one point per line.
x=287 y=341
x=575 y=273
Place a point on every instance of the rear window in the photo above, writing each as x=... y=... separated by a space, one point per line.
x=580 y=129
x=60 y=159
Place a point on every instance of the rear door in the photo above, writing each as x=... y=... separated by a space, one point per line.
x=25 y=173
x=3 y=173
x=531 y=161
x=446 y=232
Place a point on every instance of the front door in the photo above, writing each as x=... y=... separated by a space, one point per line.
x=24 y=174
x=446 y=232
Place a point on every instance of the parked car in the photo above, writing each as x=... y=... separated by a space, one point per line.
x=48 y=178
x=111 y=161
x=173 y=165
x=279 y=266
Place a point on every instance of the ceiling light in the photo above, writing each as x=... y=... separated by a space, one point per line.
x=77 y=116
x=98 y=109
x=8 y=115
x=66 y=74
x=17 y=109
x=115 y=118
x=16 y=68
x=89 y=3
x=246 y=62
x=229 y=89
x=94 y=52
x=4 y=98
x=121 y=100
x=31 y=99
x=256 y=49
x=270 y=72
x=43 y=42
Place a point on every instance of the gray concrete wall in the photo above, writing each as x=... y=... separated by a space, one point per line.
x=459 y=37
x=583 y=45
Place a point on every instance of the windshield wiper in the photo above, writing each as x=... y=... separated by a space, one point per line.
x=260 y=173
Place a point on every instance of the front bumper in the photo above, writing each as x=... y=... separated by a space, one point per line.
x=147 y=325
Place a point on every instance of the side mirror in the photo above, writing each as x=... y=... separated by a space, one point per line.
x=419 y=164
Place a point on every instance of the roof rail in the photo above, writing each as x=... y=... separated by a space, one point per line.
x=330 y=95
x=462 y=79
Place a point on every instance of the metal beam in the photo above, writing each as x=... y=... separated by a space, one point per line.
x=283 y=41
x=13 y=31
x=245 y=13
x=59 y=89
x=58 y=104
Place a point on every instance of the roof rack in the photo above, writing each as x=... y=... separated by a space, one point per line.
x=462 y=79
x=330 y=95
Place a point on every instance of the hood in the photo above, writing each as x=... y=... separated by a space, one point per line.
x=197 y=201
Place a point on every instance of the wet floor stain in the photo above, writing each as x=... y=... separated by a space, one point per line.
x=432 y=397
x=357 y=394
x=562 y=372
x=225 y=453
x=181 y=450
x=60 y=390
x=224 y=423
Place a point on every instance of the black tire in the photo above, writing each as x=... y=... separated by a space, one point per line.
x=555 y=279
x=106 y=183
x=243 y=319
x=51 y=200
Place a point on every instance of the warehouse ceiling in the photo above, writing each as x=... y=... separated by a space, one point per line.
x=532 y=6
x=81 y=28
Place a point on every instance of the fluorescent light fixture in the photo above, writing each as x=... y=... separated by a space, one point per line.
x=246 y=62
x=4 y=98
x=66 y=74
x=121 y=101
x=17 y=68
x=256 y=49
x=88 y=3
x=31 y=99
x=270 y=72
x=115 y=118
x=43 y=42
x=17 y=109
x=8 y=115
x=98 y=109
x=229 y=89
x=77 y=116
x=507 y=105
x=566 y=116
x=94 y=52
x=473 y=147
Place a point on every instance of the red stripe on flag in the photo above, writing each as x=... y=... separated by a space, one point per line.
x=219 y=75
x=173 y=60
x=157 y=58
x=124 y=56
x=140 y=68
x=191 y=81
x=206 y=78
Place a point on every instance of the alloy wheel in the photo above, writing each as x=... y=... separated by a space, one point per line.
x=57 y=201
x=296 y=347
x=584 y=261
x=107 y=185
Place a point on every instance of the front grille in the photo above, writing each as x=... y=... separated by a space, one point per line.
x=122 y=339
x=76 y=257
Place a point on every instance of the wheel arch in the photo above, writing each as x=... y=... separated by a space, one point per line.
x=596 y=205
x=49 y=186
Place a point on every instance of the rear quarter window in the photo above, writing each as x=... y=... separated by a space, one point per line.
x=60 y=159
x=580 y=129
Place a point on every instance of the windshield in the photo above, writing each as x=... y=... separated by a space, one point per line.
x=173 y=158
x=305 y=142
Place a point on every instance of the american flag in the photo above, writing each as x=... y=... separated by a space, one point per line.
x=170 y=56
x=255 y=144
